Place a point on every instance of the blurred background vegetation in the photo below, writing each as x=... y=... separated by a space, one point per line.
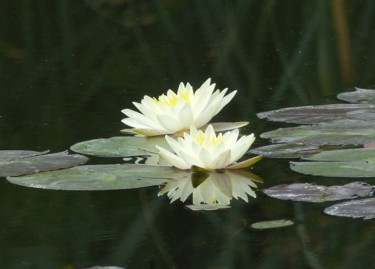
x=69 y=67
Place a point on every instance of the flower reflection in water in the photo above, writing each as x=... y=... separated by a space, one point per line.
x=212 y=188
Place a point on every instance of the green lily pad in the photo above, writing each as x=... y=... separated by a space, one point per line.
x=358 y=96
x=318 y=114
x=307 y=192
x=35 y=162
x=344 y=155
x=364 y=208
x=101 y=177
x=271 y=224
x=285 y=150
x=344 y=132
x=336 y=169
x=121 y=146
x=10 y=155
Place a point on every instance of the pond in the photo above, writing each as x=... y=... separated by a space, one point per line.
x=68 y=68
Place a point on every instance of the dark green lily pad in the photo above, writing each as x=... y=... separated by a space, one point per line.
x=271 y=224
x=285 y=150
x=358 y=96
x=318 y=114
x=364 y=208
x=307 y=192
x=121 y=146
x=101 y=177
x=31 y=162
x=344 y=132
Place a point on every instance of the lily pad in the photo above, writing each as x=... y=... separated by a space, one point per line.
x=358 y=96
x=121 y=146
x=35 y=162
x=271 y=224
x=344 y=132
x=101 y=177
x=364 y=208
x=336 y=169
x=317 y=114
x=358 y=162
x=285 y=150
x=344 y=155
x=307 y=192
x=10 y=155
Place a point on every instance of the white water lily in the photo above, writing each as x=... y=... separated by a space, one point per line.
x=208 y=150
x=216 y=188
x=176 y=112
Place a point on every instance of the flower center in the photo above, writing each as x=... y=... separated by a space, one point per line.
x=201 y=137
x=172 y=98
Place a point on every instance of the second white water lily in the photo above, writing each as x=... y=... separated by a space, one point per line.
x=177 y=112
x=208 y=150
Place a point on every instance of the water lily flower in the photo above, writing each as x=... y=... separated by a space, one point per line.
x=176 y=112
x=208 y=150
x=216 y=188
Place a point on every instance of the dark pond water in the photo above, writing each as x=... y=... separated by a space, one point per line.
x=69 y=67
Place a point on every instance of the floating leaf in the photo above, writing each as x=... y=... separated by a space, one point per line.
x=317 y=114
x=10 y=155
x=335 y=169
x=285 y=150
x=101 y=177
x=364 y=208
x=121 y=146
x=31 y=162
x=316 y=193
x=271 y=224
x=344 y=155
x=358 y=96
x=344 y=132
x=358 y=162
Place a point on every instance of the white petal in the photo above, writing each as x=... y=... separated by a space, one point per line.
x=226 y=100
x=221 y=161
x=173 y=159
x=241 y=147
x=170 y=123
x=142 y=119
x=186 y=115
